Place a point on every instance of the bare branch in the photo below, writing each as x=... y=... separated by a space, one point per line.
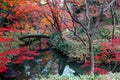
x=108 y=6
x=75 y=19
x=113 y=22
x=77 y=35
x=98 y=21
x=87 y=15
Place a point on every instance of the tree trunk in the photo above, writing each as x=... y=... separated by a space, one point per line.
x=91 y=54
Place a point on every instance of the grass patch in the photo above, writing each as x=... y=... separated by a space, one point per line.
x=110 y=76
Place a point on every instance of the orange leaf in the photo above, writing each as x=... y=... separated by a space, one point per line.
x=5 y=39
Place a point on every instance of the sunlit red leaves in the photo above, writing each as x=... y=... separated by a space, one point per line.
x=55 y=16
x=8 y=29
x=116 y=58
x=100 y=71
x=47 y=21
x=63 y=19
x=13 y=2
x=115 y=41
x=111 y=46
x=20 y=14
x=86 y=64
x=20 y=55
x=3 y=68
x=28 y=6
x=78 y=2
x=43 y=43
x=97 y=70
x=24 y=54
x=21 y=59
x=97 y=57
x=110 y=50
x=3 y=61
x=106 y=45
x=45 y=9
x=100 y=56
x=93 y=11
x=5 y=39
x=118 y=2
x=31 y=9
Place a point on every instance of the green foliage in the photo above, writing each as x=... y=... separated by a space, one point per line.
x=117 y=17
x=57 y=77
x=14 y=45
x=110 y=76
x=76 y=47
x=77 y=50
x=56 y=42
x=102 y=33
x=96 y=49
x=107 y=22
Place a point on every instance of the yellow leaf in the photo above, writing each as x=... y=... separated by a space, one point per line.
x=46 y=21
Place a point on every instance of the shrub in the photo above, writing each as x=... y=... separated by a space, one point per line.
x=110 y=76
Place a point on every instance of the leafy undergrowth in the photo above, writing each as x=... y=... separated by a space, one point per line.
x=110 y=76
